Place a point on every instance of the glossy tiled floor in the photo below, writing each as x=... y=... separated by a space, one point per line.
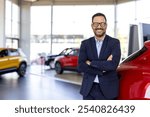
x=40 y=83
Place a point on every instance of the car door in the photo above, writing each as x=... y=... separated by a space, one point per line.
x=71 y=59
x=4 y=59
x=74 y=58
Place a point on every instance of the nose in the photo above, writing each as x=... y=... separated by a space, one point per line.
x=99 y=26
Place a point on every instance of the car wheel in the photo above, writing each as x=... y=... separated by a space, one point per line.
x=58 y=68
x=22 y=69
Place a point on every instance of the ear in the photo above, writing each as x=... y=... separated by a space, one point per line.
x=106 y=25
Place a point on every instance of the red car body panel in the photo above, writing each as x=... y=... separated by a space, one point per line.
x=69 y=61
x=134 y=73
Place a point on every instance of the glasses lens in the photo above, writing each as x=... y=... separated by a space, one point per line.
x=95 y=24
x=102 y=24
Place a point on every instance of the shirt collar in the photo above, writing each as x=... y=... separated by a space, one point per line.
x=100 y=40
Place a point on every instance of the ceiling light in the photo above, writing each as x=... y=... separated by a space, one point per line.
x=30 y=0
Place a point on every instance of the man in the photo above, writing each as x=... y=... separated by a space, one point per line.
x=98 y=60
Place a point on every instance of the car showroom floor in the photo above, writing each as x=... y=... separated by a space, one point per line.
x=40 y=83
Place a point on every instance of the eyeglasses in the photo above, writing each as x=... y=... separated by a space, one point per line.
x=96 y=24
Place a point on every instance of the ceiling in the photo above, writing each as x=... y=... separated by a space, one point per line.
x=76 y=2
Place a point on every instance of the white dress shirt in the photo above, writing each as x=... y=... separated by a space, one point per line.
x=98 y=47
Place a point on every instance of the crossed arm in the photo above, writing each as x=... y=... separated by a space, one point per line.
x=108 y=59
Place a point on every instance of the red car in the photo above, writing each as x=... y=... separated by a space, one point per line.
x=68 y=61
x=134 y=75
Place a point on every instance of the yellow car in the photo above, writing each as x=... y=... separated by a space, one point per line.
x=12 y=60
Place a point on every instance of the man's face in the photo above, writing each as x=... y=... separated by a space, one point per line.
x=99 y=26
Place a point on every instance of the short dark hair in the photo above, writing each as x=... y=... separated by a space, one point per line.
x=99 y=14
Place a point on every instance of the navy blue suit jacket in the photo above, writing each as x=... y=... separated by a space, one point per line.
x=106 y=70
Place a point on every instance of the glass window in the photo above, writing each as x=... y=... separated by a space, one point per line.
x=8 y=43
x=8 y=18
x=143 y=9
x=3 y=53
x=15 y=19
x=70 y=25
x=8 y=28
x=15 y=11
x=74 y=24
x=13 y=52
x=8 y=9
x=12 y=19
x=125 y=17
x=15 y=31
x=12 y=43
x=15 y=43
x=40 y=30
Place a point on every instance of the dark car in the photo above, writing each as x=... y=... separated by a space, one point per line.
x=67 y=61
x=134 y=75
x=50 y=59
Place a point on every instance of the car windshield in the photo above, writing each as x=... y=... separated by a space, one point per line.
x=66 y=51
x=135 y=55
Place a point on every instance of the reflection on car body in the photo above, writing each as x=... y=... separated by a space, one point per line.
x=134 y=75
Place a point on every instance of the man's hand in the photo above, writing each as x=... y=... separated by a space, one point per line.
x=88 y=62
x=110 y=58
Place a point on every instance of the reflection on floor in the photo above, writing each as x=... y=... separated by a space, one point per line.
x=40 y=84
x=67 y=76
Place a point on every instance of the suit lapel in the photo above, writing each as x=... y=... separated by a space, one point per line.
x=104 y=46
x=93 y=44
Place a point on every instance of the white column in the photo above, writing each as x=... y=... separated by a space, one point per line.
x=115 y=19
x=2 y=23
x=25 y=29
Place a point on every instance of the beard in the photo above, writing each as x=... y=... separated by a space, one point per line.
x=99 y=32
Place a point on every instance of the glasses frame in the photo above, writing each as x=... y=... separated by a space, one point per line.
x=96 y=24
